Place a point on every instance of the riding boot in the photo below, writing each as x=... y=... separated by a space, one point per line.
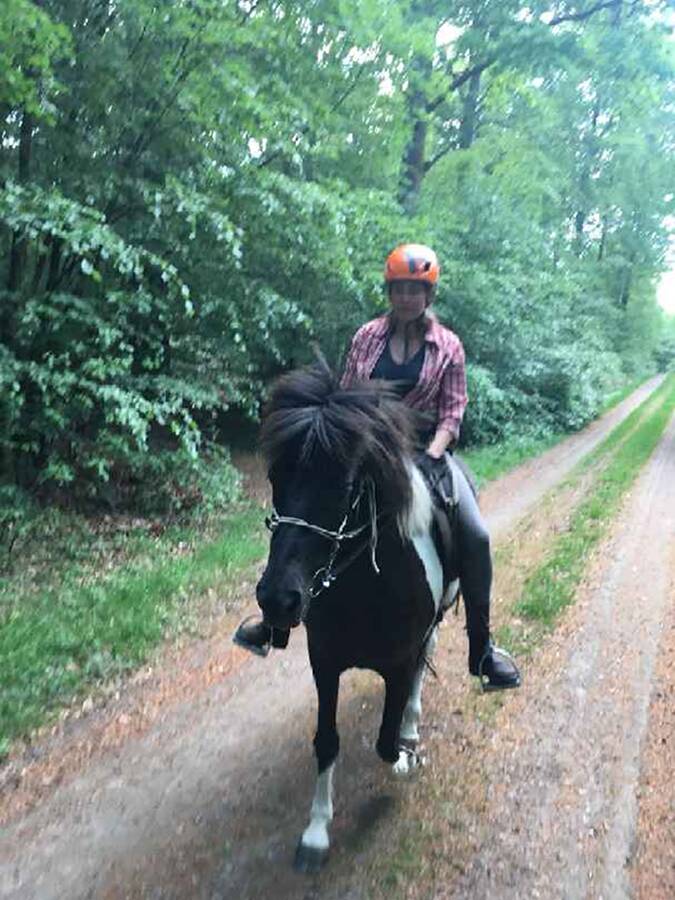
x=258 y=637
x=493 y=665
x=495 y=668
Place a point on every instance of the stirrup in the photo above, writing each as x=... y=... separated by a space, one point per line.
x=485 y=685
x=244 y=644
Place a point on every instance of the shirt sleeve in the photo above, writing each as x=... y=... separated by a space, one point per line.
x=349 y=375
x=453 y=398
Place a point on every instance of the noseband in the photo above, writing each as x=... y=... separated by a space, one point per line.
x=326 y=574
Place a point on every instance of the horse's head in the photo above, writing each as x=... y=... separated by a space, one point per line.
x=324 y=445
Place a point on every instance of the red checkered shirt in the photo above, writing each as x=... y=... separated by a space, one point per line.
x=441 y=386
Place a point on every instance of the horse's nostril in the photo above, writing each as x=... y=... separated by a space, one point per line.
x=282 y=605
x=293 y=601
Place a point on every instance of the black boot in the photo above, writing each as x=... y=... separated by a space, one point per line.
x=258 y=637
x=495 y=668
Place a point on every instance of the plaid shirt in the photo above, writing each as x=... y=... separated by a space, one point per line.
x=441 y=387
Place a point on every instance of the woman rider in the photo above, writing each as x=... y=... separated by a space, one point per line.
x=410 y=347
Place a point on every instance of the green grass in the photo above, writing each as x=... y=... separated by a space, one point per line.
x=620 y=433
x=488 y=463
x=553 y=585
x=59 y=641
x=617 y=396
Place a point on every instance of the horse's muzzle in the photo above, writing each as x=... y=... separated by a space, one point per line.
x=281 y=606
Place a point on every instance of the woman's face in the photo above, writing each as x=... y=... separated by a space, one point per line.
x=408 y=299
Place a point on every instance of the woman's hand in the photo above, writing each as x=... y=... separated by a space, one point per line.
x=442 y=441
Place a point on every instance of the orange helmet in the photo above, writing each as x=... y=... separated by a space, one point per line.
x=412 y=262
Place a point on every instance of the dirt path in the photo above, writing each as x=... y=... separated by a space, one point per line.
x=207 y=800
x=565 y=771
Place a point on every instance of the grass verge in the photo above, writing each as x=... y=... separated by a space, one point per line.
x=552 y=586
x=488 y=463
x=65 y=638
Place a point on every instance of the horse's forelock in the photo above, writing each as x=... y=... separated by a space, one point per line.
x=363 y=425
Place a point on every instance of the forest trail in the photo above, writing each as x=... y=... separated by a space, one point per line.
x=209 y=800
x=564 y=776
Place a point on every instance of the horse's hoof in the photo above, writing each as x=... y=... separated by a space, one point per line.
x=408 y=760
x=309 y=860
x=387 y=752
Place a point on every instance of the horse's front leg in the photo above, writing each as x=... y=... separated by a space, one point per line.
x=313 y=848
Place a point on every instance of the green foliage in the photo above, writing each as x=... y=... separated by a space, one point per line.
x=192 y=194
x=30 y=44
x=664 y=353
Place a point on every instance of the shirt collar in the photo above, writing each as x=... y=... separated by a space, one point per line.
x=434 y=333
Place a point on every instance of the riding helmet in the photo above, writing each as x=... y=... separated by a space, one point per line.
x=412 y=262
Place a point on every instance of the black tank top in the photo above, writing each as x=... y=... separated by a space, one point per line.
x=404 y=374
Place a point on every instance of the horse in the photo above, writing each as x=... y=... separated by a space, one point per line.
x=352 y=555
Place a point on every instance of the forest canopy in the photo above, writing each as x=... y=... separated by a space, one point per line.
x=194 y=192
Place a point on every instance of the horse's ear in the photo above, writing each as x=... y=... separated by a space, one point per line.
x=321 y=360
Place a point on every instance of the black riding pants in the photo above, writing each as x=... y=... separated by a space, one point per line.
x=475 y=568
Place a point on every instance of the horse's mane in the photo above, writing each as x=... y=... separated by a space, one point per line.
x=363 y=426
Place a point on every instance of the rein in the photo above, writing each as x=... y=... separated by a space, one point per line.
x=326 y=575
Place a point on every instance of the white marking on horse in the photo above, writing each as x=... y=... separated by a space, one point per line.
x=417 y=519
x=316 y=833
x=413 y=709
x=416 y=526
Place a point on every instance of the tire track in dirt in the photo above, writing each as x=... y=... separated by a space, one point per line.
x=654 y=869
x=210 y=801
x=564 y=782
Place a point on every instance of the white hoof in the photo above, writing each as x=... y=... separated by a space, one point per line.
x=407 y=762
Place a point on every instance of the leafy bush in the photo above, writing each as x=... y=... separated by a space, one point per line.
x=490 y=408
x=18 y=518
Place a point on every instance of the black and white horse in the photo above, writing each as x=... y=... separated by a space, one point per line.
x=352 y=555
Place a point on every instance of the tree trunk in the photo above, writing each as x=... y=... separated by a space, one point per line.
x=18 y=251
x=603 y=238
x=467 y=130
x=414 y=157
x=17 y=260
x=626 y=280
x=413 y=165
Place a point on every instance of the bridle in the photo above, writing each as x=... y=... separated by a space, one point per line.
x=325 y=575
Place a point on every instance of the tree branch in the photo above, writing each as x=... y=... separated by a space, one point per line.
x=457 y=82
x=581 y=16
x=305 y=128
x=247 y=15
x=441 y=153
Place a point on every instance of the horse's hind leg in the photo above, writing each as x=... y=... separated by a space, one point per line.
x=313 y=848
x=408 y=758
x=398 y=683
